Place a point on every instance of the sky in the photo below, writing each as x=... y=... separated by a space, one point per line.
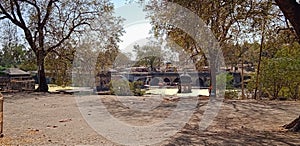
x=136 y=27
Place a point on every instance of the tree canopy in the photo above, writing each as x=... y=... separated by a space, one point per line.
x=48 y=24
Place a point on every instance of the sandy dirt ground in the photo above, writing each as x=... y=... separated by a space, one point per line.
x=55 y=119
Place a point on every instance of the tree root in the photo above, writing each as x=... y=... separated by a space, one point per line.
x=294 y=126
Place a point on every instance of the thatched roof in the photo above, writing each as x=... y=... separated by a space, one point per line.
x=15 y=71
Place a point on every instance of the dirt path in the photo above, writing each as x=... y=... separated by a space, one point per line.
x=46 y=120
x=54 y=119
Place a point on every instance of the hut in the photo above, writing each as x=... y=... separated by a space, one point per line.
x=16 y=79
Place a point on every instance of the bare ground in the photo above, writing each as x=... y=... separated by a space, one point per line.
x=54 y=119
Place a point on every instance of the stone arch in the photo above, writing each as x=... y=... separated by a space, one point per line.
x=155 y=81
x=142 y=79
x=176 y=80
x=199 y=83
x=167 y=81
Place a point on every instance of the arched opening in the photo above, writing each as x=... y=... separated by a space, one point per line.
x=176 y=81
x=167 y=81
x=142 y=80
x=185 y=84
x=199 y=83
x=155 y=81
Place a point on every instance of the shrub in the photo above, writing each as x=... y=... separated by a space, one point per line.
x=136 y=88
x=122 y=87
x=231 y=94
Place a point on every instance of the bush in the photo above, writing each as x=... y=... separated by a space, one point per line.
x=230 y=94
x=225 y=79
x=122 y=87
x=2 y=68
x=136 y=88
x=280 y=75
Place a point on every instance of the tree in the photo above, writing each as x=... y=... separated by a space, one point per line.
x=59 y=64
x=29 y=64
x=122 y=61
x=280 y=75
x=291 y=10
x=12 y=55
x=149 y=56
x=225 y=19
x=48 y=24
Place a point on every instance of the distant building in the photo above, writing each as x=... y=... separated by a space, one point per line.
x=16 y=79
x=139 y=69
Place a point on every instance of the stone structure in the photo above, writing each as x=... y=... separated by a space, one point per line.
x=185 y=84
x=16 y=79
x=198 y=79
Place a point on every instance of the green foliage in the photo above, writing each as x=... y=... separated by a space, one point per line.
x=104 y=63
x=280 y=76
x=48 y=25
x=59 y=65
x=30 y=63
x=231 y=94
x=122 y=87
x=149 y=56
x=225 y=79
x=122 y=60
x=231 y=22
x=136 y=88
x=12 y=55
x=229 y=79
x=28 y=66
x=2 y=68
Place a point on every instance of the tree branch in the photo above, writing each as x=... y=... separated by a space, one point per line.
x=20 y=14
x=49 y=9
x=67 y=36
x=291 y=10
x=3 y=17
x=19 y=24
x=12 y=10
x=5 y=13
x=63 y=56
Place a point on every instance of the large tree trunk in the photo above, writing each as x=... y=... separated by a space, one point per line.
x=291 y=10
x=43 y=87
